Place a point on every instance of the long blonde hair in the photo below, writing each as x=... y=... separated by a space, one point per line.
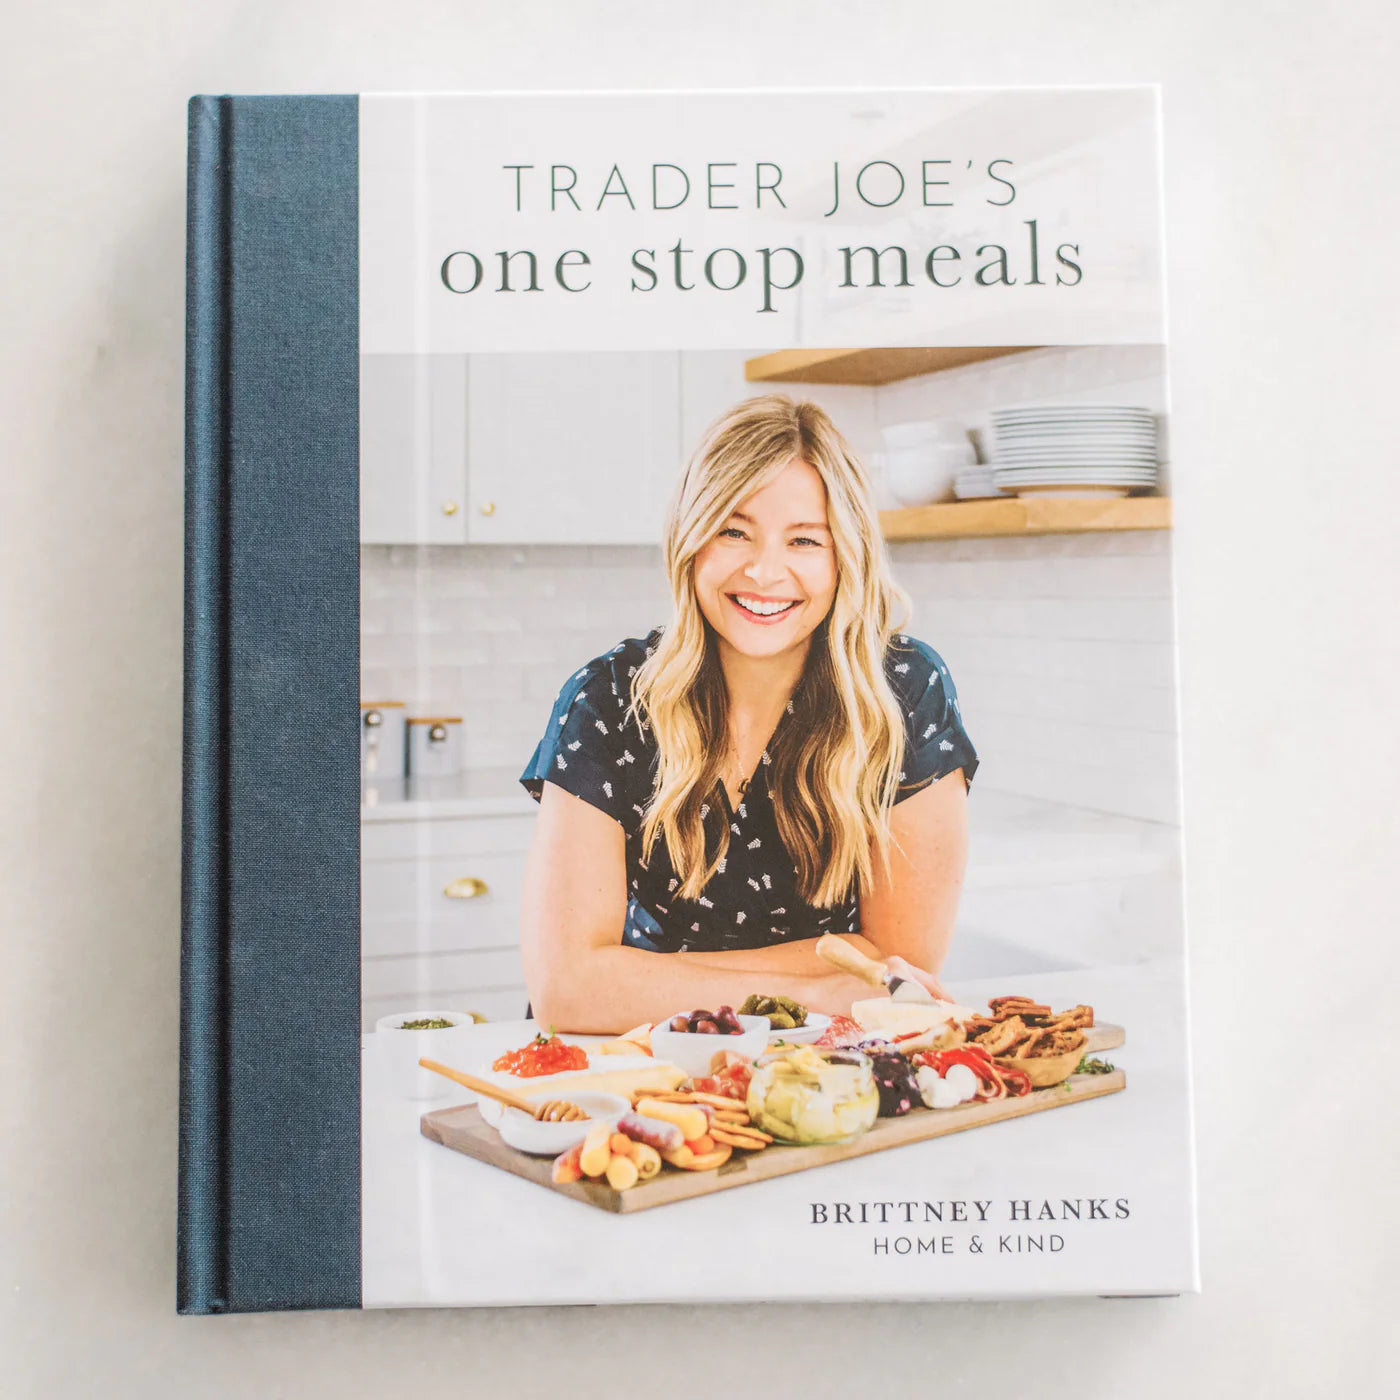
x=833 y=769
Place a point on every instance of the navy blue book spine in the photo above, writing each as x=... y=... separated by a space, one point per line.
x=269 y=1187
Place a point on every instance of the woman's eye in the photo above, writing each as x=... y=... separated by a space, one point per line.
x=732 y=532
x=805 y=540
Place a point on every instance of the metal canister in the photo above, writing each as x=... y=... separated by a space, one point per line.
x=383 y=744
x=434 y=746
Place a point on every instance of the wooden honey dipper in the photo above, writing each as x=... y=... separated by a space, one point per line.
x=550 y=1111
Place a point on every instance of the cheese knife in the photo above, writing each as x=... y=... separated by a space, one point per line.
x=841 y=954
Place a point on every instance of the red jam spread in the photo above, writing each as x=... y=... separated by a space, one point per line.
x=542 y=1056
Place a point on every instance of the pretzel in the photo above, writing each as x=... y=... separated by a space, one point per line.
x=999 y=1040
x=1003 y=1007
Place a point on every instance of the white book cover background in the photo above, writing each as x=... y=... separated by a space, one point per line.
x=518 y=450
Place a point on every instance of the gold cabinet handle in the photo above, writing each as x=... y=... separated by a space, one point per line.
x=488 y=508
x=449 y=507
x=468 y=887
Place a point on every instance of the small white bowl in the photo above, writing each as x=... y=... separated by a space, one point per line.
x=920 y=476
x=400 y=1050
x=813 y=1029
x=692 y=1051
x=550 y=1139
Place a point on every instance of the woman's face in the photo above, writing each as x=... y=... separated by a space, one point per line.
x=768 y=578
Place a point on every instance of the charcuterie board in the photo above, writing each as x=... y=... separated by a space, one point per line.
x=463 y=1130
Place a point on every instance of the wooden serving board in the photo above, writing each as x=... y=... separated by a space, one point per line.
x=463 y=1130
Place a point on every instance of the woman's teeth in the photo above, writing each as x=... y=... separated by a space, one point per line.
x=761 y=609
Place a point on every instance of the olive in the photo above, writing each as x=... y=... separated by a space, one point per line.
x=707 y=1028
x=679 y=1023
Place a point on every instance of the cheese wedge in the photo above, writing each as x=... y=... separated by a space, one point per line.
x=885 y=1016
x=606 y=1074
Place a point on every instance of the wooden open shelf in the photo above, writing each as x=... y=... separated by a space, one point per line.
x=867 y=366
x=1026 y=515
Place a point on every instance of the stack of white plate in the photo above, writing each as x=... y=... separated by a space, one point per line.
x=976 y=484
x=1074 y=449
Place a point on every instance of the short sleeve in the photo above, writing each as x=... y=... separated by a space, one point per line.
x=590 y=748
x=935 y=741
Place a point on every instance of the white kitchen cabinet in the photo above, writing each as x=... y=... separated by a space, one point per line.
x=572 y=449
x=421 y=947
x=413 y=449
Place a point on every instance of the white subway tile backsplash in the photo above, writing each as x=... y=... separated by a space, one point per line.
x=493 y=682
x=455 y=649
x=1100 y=619
x=520 y=581
x=625 y=617
x=399 y=650
x=565 y=613
x=543 y=682
x=641 y=557
x=1098 y=701
x=461 y=585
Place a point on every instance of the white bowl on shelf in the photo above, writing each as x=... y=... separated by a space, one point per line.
x=922 y=460
x=693 y=1051
x=922 y=477
x=400 y=1050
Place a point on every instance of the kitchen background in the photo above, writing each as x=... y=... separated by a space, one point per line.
x=510 y=506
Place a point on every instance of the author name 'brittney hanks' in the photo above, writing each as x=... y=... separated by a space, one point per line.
x=973 y=1212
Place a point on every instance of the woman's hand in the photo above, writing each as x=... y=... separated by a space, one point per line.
x=902 y=968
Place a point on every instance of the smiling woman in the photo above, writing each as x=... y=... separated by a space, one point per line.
x=776 y=763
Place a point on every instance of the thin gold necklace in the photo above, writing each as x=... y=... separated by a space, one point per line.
x=742 y=783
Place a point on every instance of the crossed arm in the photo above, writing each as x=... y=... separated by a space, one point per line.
x=582 y=979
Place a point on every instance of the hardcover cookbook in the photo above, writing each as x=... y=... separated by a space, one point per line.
x=681 y=746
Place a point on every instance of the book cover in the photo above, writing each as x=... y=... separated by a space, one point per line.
x=752 y=867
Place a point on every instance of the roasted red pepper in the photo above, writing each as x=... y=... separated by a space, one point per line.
x=997 y=1081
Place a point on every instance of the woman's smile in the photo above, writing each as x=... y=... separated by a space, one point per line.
x=764 y=611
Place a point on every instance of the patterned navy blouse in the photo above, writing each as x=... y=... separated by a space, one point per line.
x=592 y=749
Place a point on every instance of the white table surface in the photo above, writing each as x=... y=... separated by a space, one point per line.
x=1284 y=559
x=440 y=1227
